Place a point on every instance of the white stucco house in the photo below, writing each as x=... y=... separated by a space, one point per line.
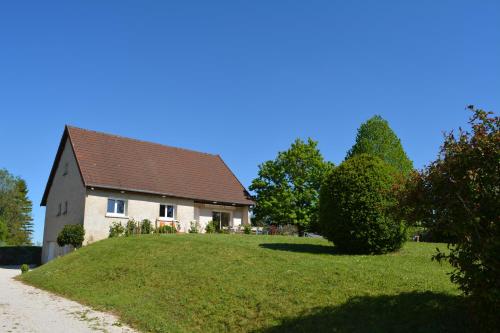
x=98 y=179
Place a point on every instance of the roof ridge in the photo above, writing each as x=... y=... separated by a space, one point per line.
x=139 y=140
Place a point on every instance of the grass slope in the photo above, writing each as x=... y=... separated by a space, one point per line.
x=171 y=283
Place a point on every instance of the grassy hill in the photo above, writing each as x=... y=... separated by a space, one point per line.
x=171 y=283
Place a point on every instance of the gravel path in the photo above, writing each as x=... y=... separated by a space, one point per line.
x=27 y=309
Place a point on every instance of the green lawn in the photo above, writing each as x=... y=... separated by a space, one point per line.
x=214 y=283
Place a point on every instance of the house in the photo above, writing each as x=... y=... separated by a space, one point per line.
x=98 y=179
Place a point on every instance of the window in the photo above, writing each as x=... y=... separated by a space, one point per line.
x=65 y=172
x=59 y=210
x=222 y=218
x=116 y=207
x=65 y=208
x=167 y=212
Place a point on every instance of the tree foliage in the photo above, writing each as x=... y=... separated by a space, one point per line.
x=287 y=188
x=356 y=207
x=459 y=192
x=71 y=234
x=375 y=137
x=16 y=224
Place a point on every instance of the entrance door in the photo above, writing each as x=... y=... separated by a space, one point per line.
x=222 y=218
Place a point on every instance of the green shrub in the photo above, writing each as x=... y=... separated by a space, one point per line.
x=146 y=227
x=195 y=226
x=459 y=193
x=356 y=207
x=287 y=230
x=166 y=229
x=116 y=230
x=71 y=234
x=212 y=227
x=24 y=268
x=131 y=228
x=247 y=229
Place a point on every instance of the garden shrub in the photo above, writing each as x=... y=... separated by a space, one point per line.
x=247 y=229
x=130 y=228
x=356 y=205
x=71 y=234
x=282 y=230
x=166 y=229
x=287 y=230
x=24 y=268
x=194 y=227
x=212 y=227
x=459 y=193
x=146 y=227
x=116 y=230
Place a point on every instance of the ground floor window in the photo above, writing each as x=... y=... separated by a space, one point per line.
x=222 y=218
x=116 y=206
x=167 y=212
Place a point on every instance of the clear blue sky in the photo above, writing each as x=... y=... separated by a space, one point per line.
x=240 y=78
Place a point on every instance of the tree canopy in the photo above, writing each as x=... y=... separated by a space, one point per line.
x=356 y=207
x=287 y=188
x=375 y=137
x=16 y=224
x=459 y=193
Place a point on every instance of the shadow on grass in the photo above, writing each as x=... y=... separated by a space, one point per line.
x=407 y=312
x=305 y=248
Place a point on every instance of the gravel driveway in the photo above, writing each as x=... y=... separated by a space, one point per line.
x=27 y=309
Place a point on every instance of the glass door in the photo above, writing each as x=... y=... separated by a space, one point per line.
x=223 y=219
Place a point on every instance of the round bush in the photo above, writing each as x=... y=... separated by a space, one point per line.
x=71 y=234
x=25 y=268
x=355 y=207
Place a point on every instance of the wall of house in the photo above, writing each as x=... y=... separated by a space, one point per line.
x=138 y=207
x=66 y=187
x=145 y=206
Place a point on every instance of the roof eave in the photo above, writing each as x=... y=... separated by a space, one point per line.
x=248 y=202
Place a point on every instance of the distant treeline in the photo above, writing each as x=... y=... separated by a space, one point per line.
x=16 y=223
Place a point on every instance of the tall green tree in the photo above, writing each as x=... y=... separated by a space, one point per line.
x=287 y=188
x=375 y=137
x=16 y=224
x=460 y=193
x=4 y=232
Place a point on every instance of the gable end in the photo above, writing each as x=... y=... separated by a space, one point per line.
x=65 y=138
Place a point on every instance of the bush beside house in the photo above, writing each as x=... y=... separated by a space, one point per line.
x=71 y=234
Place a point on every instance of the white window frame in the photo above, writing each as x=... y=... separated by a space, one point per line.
x=164 y=218
x=125 y=207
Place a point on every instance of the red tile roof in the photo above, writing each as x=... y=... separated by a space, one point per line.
x=114 y=162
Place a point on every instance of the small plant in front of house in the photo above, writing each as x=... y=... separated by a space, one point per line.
x=116 y=230
x=24 y=268
x=130 y=228
x=195 y=227
x=71 y=234
x=247 y=229
x=146 y=227
x=211 y=227
x=166 y=229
